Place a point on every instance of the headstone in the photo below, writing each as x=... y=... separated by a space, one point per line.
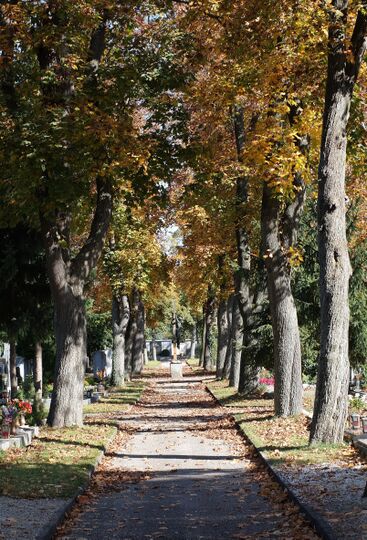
x=102 y=361
x=176 y=370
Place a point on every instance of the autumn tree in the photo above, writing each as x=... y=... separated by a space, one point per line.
x=69 y=135
x=130 y=259
x=345 y=55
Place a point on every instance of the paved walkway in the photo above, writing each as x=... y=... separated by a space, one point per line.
x=199 y=478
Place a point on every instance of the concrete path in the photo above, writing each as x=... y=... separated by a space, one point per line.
x=200 y=479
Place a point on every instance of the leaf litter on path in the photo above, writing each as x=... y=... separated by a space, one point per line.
x=190 y=413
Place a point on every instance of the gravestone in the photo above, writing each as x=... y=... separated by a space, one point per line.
x=176 y=370
x=102 y=361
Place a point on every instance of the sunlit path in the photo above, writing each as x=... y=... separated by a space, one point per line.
x=194 y=477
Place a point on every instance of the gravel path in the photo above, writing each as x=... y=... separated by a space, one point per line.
x=24 y=519
x=334 y=493
x=190 y=476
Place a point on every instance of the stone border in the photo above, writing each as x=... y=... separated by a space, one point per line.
x=321 y=526
x=23 y=437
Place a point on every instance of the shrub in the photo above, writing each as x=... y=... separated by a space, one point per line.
x=357 y=404
x=47 y=390
x=39 y=413
x=28 y=387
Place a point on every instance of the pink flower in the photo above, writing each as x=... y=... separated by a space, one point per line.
x=267 y=381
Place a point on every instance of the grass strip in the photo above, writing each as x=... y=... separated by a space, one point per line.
x=57 y=463
x=152 y=364
x=283 y=440
x=193 y=362
x=118 y=399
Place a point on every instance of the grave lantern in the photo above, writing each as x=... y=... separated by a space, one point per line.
x=364 y=424
x=5 y=430
x=354 y=421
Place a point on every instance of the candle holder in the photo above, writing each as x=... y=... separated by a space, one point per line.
x=5 y=430
x=355 y=421
x=364 y=424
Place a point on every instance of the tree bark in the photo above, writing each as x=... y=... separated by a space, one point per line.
x=13 y=368
x=249 y=374
x=193 y=341
x=278 y=228
x=236 y=344
x=203 y=338
x=209 y=324
x=120 y=321
x=344 y=59
x=154 y=348
x=246 y=380
x=223 y=332
x=138 y=344
x=228 y=359
x=67 y=280
x=129 y=341
x=38 y=370
x=71 y=338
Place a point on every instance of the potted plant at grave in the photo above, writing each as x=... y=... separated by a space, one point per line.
x=9 y=415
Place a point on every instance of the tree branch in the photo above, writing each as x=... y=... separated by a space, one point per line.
x=97 y=44
x=358 y=43
x=7 y=76
x=56 y=267
x=89 y=254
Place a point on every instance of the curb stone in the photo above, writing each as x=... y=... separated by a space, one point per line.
x=321 y=526
x=48 y=531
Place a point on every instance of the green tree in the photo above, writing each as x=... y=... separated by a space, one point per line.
x=67 y=138
x=25 y=302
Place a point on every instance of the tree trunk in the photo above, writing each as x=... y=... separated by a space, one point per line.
x=236 y=344
x=120 y=320
x=129 y=340
x=223 y=331
x=13 y=368
x=249 y=374
x=71 y=338
x=193 y=342
x=203 y=338
x=246 y=379
x=67 y=273
x=249 y=371
x=67 y=280
x=154 y=349
x=138 y=344
x=287 y=348
x=228 y=359
x=38 y=370
x=344 y=59
x=209 y=324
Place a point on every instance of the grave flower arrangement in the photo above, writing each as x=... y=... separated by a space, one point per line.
x=24 y=407
x=9 y=413
x=269 y=381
